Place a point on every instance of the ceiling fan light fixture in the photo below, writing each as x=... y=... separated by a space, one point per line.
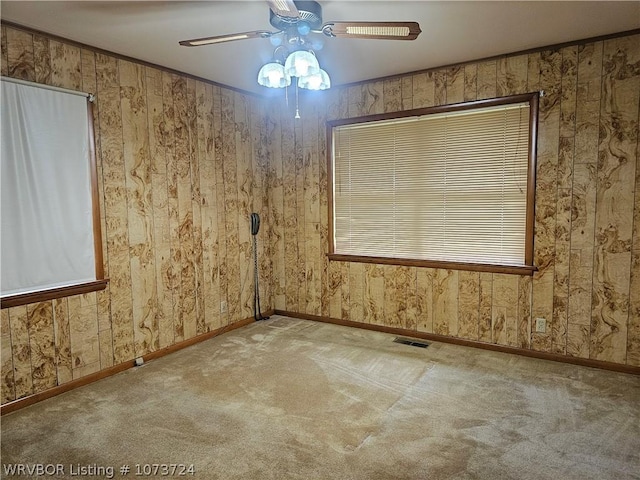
x=304 y=28
x=294 y=20
x=319 y=81
x=272 y=75
x=300 y=64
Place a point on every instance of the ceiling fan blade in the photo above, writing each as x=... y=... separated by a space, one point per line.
x=284 y=8
x=196 y=42
x=374 y=30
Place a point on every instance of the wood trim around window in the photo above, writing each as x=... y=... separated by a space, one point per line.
x=408 y=262
x=452 y=107
x=330 y=181
x=101 y=282
x=531 y=178
x=527 y=269
x=46 y=295
x=95 y=196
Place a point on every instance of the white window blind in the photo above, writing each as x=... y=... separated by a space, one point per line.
x=46 y=210
x=445 y=187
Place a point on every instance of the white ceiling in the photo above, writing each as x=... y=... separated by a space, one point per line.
x=452 y=32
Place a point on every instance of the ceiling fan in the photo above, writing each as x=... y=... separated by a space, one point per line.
x=300 y=17
x=294 y=20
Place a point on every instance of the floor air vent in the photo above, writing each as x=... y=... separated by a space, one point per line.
x=411 y=342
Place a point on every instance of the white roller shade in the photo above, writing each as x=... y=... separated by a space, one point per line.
x=46 y=209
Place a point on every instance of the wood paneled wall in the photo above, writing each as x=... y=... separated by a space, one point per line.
x=182 y=164
x=587 y=227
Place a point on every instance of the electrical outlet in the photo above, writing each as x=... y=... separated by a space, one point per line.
x=223 y=307
x=541 y=325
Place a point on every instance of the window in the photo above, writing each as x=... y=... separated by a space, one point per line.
x=51 y=244
x=447 y=187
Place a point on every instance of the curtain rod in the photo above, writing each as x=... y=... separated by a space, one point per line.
x=90 y=96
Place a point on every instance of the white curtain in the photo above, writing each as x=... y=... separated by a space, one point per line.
x=46 y=222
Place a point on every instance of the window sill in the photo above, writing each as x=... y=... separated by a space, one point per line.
x=474 y=267
x=45 y=295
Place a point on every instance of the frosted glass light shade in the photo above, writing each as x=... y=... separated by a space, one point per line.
x=319 y=81
x=301 y=64
x=272 y=75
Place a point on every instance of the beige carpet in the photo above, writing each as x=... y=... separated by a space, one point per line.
x=294 y=399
